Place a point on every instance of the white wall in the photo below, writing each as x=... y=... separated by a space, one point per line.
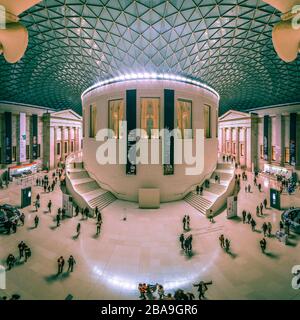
x=113 y=177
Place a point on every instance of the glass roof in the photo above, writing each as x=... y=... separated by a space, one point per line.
x=74 y=44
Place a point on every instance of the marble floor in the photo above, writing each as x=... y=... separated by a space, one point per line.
x=145 y=248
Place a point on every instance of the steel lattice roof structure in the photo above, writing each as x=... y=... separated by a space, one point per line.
x=226 y=44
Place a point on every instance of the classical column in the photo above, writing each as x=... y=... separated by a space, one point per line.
x=62 y=143
x=230 y=141
x=237 y=145
x=78 y=139
x=223 y=140
x=55 y=147
x=244 y=131
x=69 y=140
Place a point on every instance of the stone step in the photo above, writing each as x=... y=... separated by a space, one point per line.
x=79 y=174
x=102 y=201
x=88 y=196
x=198 y=202
x=86 y=187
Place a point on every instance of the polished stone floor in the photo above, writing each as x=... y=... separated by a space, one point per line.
x=145 y=248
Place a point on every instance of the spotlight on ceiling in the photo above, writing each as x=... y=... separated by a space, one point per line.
x=286 y=33
x=13 y=35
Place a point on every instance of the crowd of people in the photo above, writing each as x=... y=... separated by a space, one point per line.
x=157 y=292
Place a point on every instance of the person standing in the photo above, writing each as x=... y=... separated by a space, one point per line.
x=182 y=240
x=60 y=263
x=188 y=222
x=280 y=225
x=244 y=216
x=222 y=241
x=269 y=229
x=78 y=228
x=202 y=288
x=227 y=245
x=184 y=222
x=58 y=220
x=22 y=218
x=77 y=211
x=257 y=211
x=265 y=203
x=10 y=261
x=27 y=252
x=71 y=262
x=21 y=246
x=249 y=188
x=98 y=224
x=190 y=240
x=261 y=209
x=99 y=216
x=263 y=245
x=253 y=224
x=49 y=205
x=265 y=228
x=96 y=212
x=249 y=217
x=36 y=221
x=259 y=187
x=160 y=291
x=14 y=226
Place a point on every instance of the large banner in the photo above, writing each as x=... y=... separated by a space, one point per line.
x=34 y=136
x=131 y=125
x=266 y=138
x=293 y=120
x=22 y=137
x=168 y=155
x=8 y=137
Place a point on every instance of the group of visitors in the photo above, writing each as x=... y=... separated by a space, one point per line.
x=186 y=243
x=61 y=264
x=224 y=243
x=24 y=252
x=228 y=158
x=147 y=292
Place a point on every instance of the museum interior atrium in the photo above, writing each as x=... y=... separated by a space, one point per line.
x=89 y=209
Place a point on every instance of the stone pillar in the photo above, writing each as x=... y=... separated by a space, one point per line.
x=223 y=140
x=62 y=143
x=237 y=145
x=230 y=141
x=55 y=147
x=69 y=140
x=78 y=139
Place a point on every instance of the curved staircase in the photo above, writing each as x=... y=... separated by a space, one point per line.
x=87 y=188
x=203 y=203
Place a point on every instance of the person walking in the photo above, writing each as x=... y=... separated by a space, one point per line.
x=37 y=205
x=10 y=261
x=222 y=241
x=202 y=288
x=211 y=216
x=60 y=263
x=227 y=245
x=58 y=220
x=263 y=245
x=188 y=222
x=78 y=228
x=269 y=229
x=249 y=217
x=184 y=222
x=98 y=225
x=96 y=212
x=36 y=221
x=14 y=226
x=99 y=216
x=259 y=187
x=22 y=218
x=265 y=203
x=71 y=262
x=253 y=224
x=160 y=291
x=280 y=225
x=249 y=188
x=190 y=242
x=49 y=205
x=77 y=211
x=261 y=209
x=244 y=214
x=27 y=252
x=182 y=241
x=21 y=247
x=257 y=211
x=265 y=228
x=45 y=188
